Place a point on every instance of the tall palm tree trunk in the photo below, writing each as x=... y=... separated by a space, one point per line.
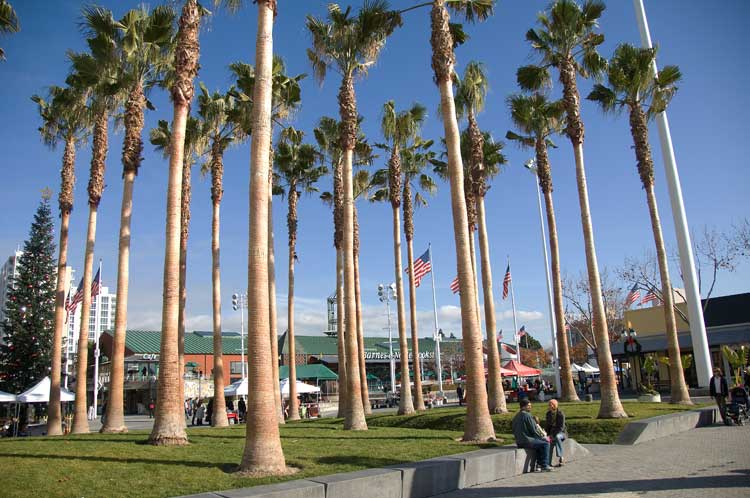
x=610 y=406
x=80 y=415
x=406 y=404
x=184 y=234
x=567 y=387
x=272 y=317
x=219 y=409
x=360 y=326
x=292 y=222
x=409 y=234
x=496 y=394
x=418 y=398
x=639 y=130
x=478 y=425
x=169 y=423
x=263 y=453
x=114 y=421
x=340 y=326
x=355 y=416
x=67 y=181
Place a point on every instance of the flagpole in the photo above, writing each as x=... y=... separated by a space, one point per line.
x=97 y=324
x=436 y=334
x=515 y=323
x=67 y=340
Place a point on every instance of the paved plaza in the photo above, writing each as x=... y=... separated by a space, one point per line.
x=711 y=461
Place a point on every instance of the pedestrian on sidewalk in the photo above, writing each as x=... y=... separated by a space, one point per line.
x=719 y=390
x=151 y=407
x=460 y=394
x=524 y=431
x=555 y=427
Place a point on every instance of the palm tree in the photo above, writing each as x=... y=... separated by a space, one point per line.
x=194 y=143
x=401 y=130
x=65 y=118
x=220 y=122
x=478 y=426
x=567 y=41
x=98 y=74
x=297 y=172
x=632 y=85
x=537 y=119
x=414 y=160
x=327 y=136
x=350 y=44
x=470 y=99
x=8 y=22
x=285 y=100
x=143 y=42
x=263 y=453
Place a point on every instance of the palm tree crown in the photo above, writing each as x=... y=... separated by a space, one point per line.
x=8 y=22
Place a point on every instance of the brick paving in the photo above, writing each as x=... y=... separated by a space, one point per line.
x=710 y=461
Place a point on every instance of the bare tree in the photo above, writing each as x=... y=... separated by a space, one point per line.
x=578 y=310
x=644 y=272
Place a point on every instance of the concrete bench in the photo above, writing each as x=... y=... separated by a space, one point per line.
x=430 y=477
x=369 y=483
x=290 y=489
x=652 y=428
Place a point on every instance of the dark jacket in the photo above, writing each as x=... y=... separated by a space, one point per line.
x=555 y=423
x=712 y=388
x=524 y=428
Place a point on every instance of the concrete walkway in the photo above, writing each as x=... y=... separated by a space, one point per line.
x=710 y=461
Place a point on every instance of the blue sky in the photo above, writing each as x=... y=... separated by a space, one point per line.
x=706 y=116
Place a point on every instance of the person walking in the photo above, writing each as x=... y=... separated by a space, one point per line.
x=460 y=394
x=719 y=390
x=242 y=408
x=526 y=436
x=555 y=427
x=210 y=411
x=151 y=407
x=200 y=412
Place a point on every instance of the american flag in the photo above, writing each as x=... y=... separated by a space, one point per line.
x=632 y=296
x=422 y=266
x=72 y=304
x=522 y=331
x=650 y=296
x=506 y=282
x=454 y=285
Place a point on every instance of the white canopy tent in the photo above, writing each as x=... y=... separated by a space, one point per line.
x=239 y=388
x=7 y=397
x=576 y=368
x=40 y=393
x=589 y=368
x=301 y=388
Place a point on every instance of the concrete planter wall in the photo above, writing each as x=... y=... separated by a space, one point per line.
x=650 y=398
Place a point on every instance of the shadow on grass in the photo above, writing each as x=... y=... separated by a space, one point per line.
x=391 y=438
x=356 y=460
x=150 y=461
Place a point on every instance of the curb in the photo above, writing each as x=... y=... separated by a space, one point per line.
x=648 y=429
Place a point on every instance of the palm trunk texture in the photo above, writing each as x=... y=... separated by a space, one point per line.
x=186 y=198
x=418 y=398
x=272 y=317
x=354 y=418
x=67 y=181
x=567 y=387
x=478 y=425
x=361 y=342
x=292 y=223
x=406 y=404
x=340 y=340
x=219 y=409
x=263 y=454
x=169 y=423
x=639 y=130
x=496 y=394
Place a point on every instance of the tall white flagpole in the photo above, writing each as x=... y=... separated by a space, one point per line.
x=515 y=323
x=97 y=325
x=436 y=334
x=687 y=260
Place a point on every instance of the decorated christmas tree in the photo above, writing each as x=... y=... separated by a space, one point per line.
x=30 y=308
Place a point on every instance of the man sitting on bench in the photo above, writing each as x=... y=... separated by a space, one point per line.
x=525 y=432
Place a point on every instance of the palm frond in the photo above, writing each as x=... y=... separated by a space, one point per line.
x=533 y=77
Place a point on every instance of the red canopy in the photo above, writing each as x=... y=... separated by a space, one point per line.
x=518 y=368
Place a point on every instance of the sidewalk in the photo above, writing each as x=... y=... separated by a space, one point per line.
x=710 y=461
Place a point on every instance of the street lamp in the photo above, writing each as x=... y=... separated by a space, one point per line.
x=239 y=301
x=530 y=165
x=386 y=295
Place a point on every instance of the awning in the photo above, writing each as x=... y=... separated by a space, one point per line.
x=40 y=393
x=520 y=369
x=311 y=371
x=7 y=397
x=301 y=388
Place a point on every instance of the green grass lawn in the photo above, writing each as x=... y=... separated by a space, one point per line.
x=98 y=465
x=122 y=465
x=581 y=419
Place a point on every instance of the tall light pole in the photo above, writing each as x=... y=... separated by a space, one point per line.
x=239 y=301
x=687 y=260
x=552 y=326
x=386 y=295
